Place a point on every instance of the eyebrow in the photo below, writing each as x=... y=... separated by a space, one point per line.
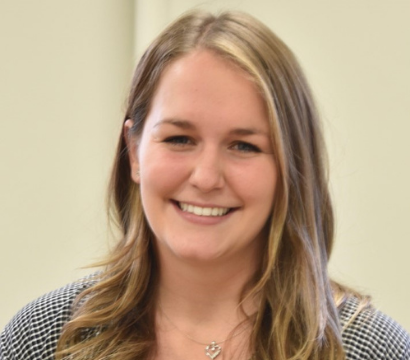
x=187 y=125
x=183 y=124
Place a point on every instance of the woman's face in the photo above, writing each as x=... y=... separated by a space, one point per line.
x=207 y=174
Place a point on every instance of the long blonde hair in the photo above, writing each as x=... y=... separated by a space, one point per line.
x=297 y=318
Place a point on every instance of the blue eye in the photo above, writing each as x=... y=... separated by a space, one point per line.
x=178 y=140
x=246 y=147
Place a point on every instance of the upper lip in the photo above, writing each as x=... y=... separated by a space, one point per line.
x=193 y=203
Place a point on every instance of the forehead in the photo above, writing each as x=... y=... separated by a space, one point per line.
x=202 y=65
x=204 y=85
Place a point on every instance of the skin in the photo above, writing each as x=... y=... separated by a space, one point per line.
x=205 y=143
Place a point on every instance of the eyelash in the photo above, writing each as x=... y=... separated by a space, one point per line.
x=245 y=147
x=179 y=140
x=242 y=146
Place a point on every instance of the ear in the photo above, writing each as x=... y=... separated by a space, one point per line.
x=132 y=148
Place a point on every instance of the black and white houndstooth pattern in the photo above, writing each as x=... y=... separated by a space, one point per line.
x=373 y=335
x=33 y=333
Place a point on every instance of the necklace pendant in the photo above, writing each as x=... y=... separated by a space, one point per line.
x=213 y=350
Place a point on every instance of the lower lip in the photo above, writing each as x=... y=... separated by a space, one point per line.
x=202 y=220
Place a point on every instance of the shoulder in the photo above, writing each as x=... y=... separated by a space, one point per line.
x=34 y=331
x=372 y=334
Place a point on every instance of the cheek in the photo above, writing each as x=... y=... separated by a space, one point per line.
x=258 y=182
x=263 y=196
x=162 y=172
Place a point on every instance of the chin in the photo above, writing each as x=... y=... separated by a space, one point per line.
x=199 y=256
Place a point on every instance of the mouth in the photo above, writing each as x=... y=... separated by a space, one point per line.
x=203 y=211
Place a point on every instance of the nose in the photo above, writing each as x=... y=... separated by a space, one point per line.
x=208 y=171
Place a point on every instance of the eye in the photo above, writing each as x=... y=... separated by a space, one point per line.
x=179 y=140
x=245 y=147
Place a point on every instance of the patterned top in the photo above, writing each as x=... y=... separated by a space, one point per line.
x=33 y=333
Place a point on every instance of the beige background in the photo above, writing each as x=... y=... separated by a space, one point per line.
x=64 y=71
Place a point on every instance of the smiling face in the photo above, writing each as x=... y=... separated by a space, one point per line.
x=207 y=174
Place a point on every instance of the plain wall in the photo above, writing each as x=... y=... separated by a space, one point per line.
x=64 y=71
x=65 y=67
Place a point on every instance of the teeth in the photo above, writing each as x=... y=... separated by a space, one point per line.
x=203 y=211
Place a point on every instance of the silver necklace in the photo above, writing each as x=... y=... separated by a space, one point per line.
x=213 y=349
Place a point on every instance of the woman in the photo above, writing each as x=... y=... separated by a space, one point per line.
x=219 y=188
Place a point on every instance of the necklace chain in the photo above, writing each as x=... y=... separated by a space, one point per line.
x=212 y=349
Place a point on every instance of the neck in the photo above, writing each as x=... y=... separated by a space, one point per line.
x=200 y=302
x=211 y=290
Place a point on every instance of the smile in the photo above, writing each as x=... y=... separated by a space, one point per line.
x=203 y=211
